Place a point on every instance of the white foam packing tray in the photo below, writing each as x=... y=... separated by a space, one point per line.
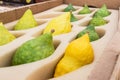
x=43 y=69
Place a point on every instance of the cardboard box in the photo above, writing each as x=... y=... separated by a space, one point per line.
x=104 y=66
x=116 y=71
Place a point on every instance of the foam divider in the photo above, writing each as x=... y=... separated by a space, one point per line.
x=44 y=69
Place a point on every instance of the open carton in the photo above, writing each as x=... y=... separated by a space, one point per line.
x=105 y=49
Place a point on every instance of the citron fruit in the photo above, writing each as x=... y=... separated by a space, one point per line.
x=93 y=35
x=85 y=10
x=103 y=12
x=27 y=21
x=60 y=24
x=69 y=8
x=77 y=54
x=5 y=35
x=34 y=50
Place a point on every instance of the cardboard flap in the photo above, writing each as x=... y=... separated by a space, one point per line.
x=116 y=71
x=105 y=65
x=112 y=4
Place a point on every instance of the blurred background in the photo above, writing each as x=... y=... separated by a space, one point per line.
x=9 y=4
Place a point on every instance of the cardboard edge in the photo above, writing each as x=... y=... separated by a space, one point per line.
x=119 y=20
x=16 y=13
x=116 y=72
x=103 y=70
x=112 y=4
x=8 y=16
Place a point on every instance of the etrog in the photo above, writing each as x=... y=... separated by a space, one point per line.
x=34 y=50
x=5 y=35
x=27 y=21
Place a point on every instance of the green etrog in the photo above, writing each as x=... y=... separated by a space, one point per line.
x=34 y=50
x=69 y=8
x=103 y=12
x=91 y=32
x=73 y=18
x=85 y=10
x=97 y=21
